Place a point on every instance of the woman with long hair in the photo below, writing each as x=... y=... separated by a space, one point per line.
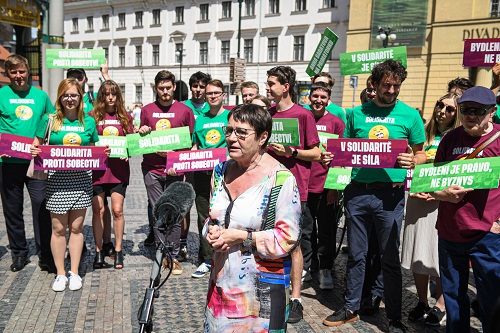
x=420 y=239
x=69 y=192
x=112 y=119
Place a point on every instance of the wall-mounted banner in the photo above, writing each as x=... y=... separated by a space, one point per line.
x=80 y=58
x=25 y=13
x=366 y=153
x=285 y=132
x=322 y=52
x=71 y=158
x=15 y=146
x=195 y=160
x=363 y=62
x=118 y=145
x=323 y=138
x=171 y=139
x=481 y=52
x=337 y=178
x=479 y=173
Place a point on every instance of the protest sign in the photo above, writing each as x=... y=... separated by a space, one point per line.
x=363 y=62
x=71 y=158
x=79 y=58
x=285 y=132
x=195 y=160
x=479 y=173
x=337 y=178
x=15 y=146
x=171 y=139
x=481 y=52
x=366 y=153
x=118 y=145
x=323 y=138
x=322 y=52
x=409 y=177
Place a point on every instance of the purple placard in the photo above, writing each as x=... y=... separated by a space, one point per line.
x=481 y=52
x=195 y=160
x=366 y=153
x=15 y=146
x=409 y=177
x=71 y=158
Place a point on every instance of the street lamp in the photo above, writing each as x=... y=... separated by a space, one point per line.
x=384 y=34
x=179 y=53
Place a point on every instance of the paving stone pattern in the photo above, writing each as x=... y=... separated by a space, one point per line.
x=110 y=299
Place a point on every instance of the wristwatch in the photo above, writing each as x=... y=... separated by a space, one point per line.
x=248 y=242
x=295 y=152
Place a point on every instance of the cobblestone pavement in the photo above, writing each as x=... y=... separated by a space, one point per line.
x=109 y=299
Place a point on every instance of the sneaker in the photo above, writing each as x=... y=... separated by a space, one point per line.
x=418 y=312
x=396 y=326
x=150 y=240
x=325 y=279
x=75 y=281
x=435 y=317
x=183 y=254
x=295 y=313
x=343 y=316
x=176 y=269
x=202 y=270
x=306 y=276
x=60 y=283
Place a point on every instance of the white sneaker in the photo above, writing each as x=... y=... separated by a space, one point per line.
x=75 y=281
x=202 y=270
x=306 y=276
x=60 y=283
x=325 y=279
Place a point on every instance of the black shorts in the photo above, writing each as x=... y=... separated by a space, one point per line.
x=107 y=189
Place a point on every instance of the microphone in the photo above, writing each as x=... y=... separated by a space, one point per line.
x=173 y=205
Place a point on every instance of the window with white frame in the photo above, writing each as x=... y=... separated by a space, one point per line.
x=121 y=56
x=274 y=6
x=122 y=88
x=138 y=93
x=300 y=5
x=224 y=52
x=203 y=53
x=179 y=50
x=138 y=55
x=121 y=20
x=75 y=24
x=90 y=23
x=328 y=3
x=272 y=49
x=138 y=19
x=226 y=9
x=248 y=50
x=106 y=52
x=105 y=22
x=156 y=55
x=298 y=48
x=156 y=16
x=179 y=14
x=249 y=7
x=495 y=8
x=204 y=12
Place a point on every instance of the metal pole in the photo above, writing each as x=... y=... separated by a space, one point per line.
x=180 y=73
x=239 y=41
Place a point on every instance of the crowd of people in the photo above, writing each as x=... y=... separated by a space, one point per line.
x=265 y=219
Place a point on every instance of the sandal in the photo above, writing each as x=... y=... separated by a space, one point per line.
x=118 y=259
x=98 y=260
x=109 y=250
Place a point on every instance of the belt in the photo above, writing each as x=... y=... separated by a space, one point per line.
x=377 y=185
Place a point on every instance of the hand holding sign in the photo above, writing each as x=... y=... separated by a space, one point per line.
x=326 y=156
x=454 y=193
x=405 y=160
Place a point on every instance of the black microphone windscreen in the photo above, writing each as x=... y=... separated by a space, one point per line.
x=173 y=205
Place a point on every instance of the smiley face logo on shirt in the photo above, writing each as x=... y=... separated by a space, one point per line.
x=110 y=131
x=163 y=124
x=24 y=112
x=431 y=154
x=378 y=132
x=72 y=139
x=212 y=137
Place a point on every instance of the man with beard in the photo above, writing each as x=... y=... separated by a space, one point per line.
x=164 y=113
x=374 y=200
x=249 y=90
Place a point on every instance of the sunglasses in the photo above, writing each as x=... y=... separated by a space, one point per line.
x=371 y=90
x=472 y=111
x=278 y=69
x=240 y=132
x=440 y=106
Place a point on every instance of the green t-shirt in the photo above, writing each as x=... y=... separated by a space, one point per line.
x=369 y=121
x=72 y=132
x=496 y=117
x=333 y=109
x=197 y=111
x=87 y=105
x=21 y=112
x=207 y=133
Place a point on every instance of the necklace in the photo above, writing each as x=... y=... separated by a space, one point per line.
x=254 y=165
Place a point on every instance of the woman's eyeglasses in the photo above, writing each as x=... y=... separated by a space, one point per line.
x=240 y=132
x=70 y=96
x=440 y=106
x=472 y=111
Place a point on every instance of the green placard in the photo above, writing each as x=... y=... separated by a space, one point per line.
x=171 y=139
x=75 y=58
x=479 y=173
x=285 y=132
x=323 y=138
x=322 y=53
x=118 y=145
x=337 y=178
x=364 y=61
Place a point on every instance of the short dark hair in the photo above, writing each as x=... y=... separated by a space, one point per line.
x=460 y=83
x=331 y=80
x=285 y=74
x=393 y=68
x=254 y=115
x=164 y=76
x=216 y=83
x=321 y=86
x=199 y=76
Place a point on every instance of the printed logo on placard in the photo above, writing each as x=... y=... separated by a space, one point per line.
x=24 y=112
x=378 y=132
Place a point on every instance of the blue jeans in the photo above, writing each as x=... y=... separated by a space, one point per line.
x=382 y=210
x=454 y=257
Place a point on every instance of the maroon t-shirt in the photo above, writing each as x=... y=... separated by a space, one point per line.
x=473 y=217
x=118 y=170
x=160 y=117
x=308 y=137
x=328 y=124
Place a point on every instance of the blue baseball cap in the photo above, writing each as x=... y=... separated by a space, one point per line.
x=478 y=94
